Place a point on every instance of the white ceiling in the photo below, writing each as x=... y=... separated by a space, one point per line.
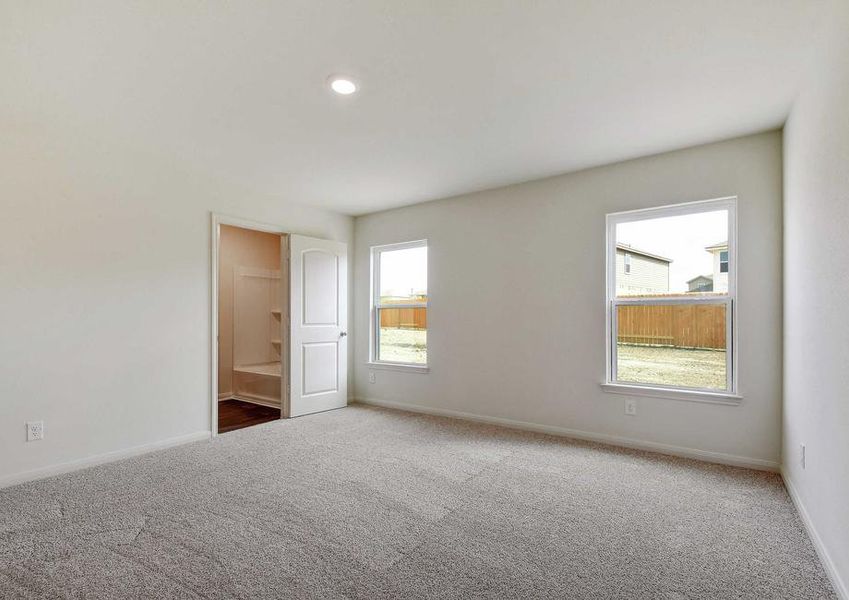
x=455 y=95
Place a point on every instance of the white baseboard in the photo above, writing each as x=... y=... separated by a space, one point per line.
x=224 y=396
x=837 y=582
x=703 y=455
x=99 y=459
x=255 y=400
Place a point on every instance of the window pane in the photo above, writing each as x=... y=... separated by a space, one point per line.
x=402 y=336
x=403 y=276
x=673 y=255
x=672 y=344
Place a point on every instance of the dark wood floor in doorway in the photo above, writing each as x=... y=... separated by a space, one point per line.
x=235 y=414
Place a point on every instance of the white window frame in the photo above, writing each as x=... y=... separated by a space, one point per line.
x=374 y=303
x=730 y=395
x=726 y=261
x=627 y=262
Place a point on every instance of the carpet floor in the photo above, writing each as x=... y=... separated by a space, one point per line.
x=371 y=503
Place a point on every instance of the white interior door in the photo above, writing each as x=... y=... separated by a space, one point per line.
x=318 y=325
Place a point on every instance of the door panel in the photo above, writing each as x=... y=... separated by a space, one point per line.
x=321 y=287
x=319 y=319
x=320 y=362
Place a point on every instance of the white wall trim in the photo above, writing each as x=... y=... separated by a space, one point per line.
x=255 y=400
x=703 y=455
x=224 y=396
x=612 y=300
x=670 y=393
x=837 y=582
x=99 y=459
x=399 y=367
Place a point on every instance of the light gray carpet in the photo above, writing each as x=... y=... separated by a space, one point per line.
x=371 y=503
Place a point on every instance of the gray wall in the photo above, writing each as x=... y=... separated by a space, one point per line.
x=816 y=320
x=516 y=291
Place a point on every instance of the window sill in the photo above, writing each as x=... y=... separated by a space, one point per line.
x=673 y=394
x=402 y=367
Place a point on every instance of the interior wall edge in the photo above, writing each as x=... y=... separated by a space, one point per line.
x=815 y=415
x=588 y=436
x=840 y=587
x=100 y=459
x=588 y=171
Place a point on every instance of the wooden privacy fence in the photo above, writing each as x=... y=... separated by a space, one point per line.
x=679 y=325
x=404 y=318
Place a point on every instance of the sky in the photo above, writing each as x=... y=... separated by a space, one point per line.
x=682 y=238
x=402 y=271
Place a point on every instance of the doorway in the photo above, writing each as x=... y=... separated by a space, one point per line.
x=252 y=317
x=279 y=324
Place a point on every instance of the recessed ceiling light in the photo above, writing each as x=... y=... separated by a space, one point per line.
x=343 y=86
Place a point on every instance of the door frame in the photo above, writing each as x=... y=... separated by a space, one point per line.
x=216 y=220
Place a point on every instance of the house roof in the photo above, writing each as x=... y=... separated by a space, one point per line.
x=627 y=248
x=708 y=277
x=719 y=246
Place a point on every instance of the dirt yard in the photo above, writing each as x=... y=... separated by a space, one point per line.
x=672 y=366
x=403 y=345
x=639 y=364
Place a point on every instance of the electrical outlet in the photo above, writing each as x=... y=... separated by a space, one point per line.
x=631 y=407
x=371 y=377
x=802 y=457
x=35 y=430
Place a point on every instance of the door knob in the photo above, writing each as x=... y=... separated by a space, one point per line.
x=343 y=333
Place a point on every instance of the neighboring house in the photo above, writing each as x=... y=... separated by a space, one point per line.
x=640 y=272
x=701 y=283
x=720 y=266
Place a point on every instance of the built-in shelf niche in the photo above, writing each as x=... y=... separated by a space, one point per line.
x=257 y=348
x=271 y=369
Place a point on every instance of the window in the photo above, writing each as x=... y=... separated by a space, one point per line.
x=723 y=261
x=671 y=321
x=399 y=304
